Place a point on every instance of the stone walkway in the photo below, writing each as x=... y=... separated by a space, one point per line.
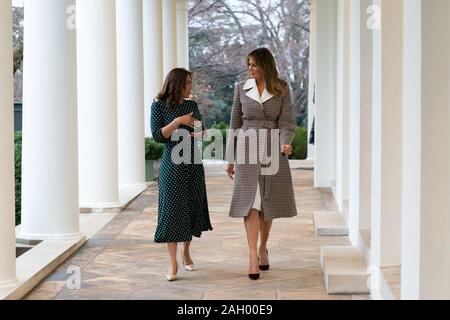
x=123 y=262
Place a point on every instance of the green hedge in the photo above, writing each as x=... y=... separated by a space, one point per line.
x=300 y=144
x=18 y=174
x=153 y=150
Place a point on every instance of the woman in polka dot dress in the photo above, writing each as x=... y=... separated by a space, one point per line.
x=183 y=205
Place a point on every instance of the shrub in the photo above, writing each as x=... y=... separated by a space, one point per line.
x=153 y=150
x=299 y=144
x=18 y=174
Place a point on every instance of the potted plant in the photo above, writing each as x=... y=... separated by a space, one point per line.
x=153 y=155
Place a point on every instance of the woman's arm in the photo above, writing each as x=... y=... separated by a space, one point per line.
x=286 y=121
x=157 y=124
x=161 y=133
x=235 y=124
x=236 y=111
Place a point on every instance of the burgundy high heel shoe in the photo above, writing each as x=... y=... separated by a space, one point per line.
x=265 y=267
x=254 y=276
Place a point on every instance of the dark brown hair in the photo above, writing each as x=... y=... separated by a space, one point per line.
x=173 y=90
x=265 y=60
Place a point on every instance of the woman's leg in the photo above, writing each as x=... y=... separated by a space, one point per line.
x=186 y=253
x=173 y=265
x=265 y=227
x=252 y=228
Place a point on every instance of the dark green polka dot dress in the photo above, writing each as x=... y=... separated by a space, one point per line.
x=183 y=204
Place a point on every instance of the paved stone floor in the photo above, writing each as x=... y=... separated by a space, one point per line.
x=123 y=262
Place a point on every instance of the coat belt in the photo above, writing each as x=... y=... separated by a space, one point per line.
x=263 y=124
x=260 y=124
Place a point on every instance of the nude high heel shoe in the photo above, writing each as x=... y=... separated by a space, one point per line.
x=187 y=267
x=172 y=277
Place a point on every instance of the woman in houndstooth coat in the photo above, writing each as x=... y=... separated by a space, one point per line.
x=263 y=189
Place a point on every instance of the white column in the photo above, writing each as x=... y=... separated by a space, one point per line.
x=97 y=93
x=169 y=35
x=365 y=116
x=50 y=156
x=342 y=98
x=387 y=135
x=153 y=55
x=130 y=82
x=325 y=91
x=426 y=157
x=182 y=34
x=354 y=118
x=7 y=230
x=360 y=118
x=312 y=74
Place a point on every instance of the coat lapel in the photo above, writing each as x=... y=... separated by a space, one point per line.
x=266 y=96
x=252 y=92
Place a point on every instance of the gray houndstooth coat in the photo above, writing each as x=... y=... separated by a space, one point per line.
x=252 y=111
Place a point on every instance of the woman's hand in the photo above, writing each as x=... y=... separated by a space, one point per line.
x=187 y=120
x=286 y=150
x=230 y=171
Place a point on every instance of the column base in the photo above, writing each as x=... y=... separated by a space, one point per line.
x=100 y=206
x=329 y=223
x=126 y=195
x=345 y=271
x=38 y=263
x=134 y=185
x=9 y=283
x=30 y=237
